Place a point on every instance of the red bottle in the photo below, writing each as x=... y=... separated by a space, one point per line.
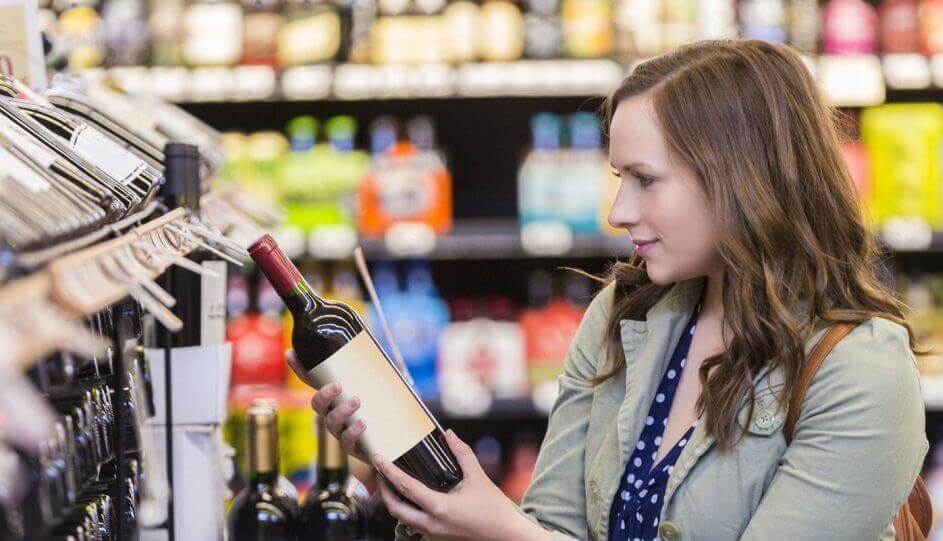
x=898 y=26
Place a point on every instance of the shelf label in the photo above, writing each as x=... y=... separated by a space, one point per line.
x=907 y=233
x=854 y=80
x=407 y=239
x=332 y=242
x=907 y=71
x=21 y=48
x=546 y=238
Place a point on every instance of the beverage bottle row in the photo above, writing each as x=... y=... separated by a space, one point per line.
x=403 y=179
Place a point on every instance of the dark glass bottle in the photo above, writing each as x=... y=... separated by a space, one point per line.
x=332 y=343
x=329 y=512
x=259 y=512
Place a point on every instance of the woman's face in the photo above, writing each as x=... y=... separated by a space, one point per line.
x=660 y=200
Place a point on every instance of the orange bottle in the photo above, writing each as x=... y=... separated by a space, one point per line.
x=408 y=182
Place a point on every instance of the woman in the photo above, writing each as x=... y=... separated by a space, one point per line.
x=749 y=243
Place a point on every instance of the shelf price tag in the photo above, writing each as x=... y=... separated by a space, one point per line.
x=413 y=239
x=21 y=48
x=546 y=238
x=332 y=242
x=854 y=80
x=907 y=71
x=907 y=233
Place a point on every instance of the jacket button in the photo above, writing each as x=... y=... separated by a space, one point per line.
x=764 y=419
x=669 y=531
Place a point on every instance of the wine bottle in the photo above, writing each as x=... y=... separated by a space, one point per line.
x=259 y=513
x=333 y=344
x=104 y=151
x=329 y=512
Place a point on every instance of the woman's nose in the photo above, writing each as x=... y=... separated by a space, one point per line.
x=624 y=212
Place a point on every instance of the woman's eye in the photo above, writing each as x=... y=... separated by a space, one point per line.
x=644 y=180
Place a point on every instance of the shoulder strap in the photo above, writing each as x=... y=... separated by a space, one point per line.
x=809 y=369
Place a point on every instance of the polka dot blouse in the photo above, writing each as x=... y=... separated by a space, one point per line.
x=637 y=504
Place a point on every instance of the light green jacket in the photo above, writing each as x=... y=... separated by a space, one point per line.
x=858 y=447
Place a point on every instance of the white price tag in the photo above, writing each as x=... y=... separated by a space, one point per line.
x=169 y=83
x=210 y=84
x=547 y=238
x=306 y=82
x=253 y=82
x=907 y=71
x=907 y=233
x=21 y=48
x=410 y=239
x=332 y=242
x=291 y=239
x=852 y=80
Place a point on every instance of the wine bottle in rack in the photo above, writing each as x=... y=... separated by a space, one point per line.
x=259 y=513
x=105 y=151
x=329 y=512
x=333 y=344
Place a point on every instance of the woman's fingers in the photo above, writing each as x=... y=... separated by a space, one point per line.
x=338 y=417
x=322 y=399
x=297 y=367
x=410 y=488
x=349 y=437
x=417 y=519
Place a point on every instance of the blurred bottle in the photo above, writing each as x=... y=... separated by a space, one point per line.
x=260 y=511
x=81 y=29
x=521 y=470
x=363 y=15
x=717 y=19
x=460 y=23
x=849 y=27
x=126 y=33
x=537 y=180
x=764 y=19
x=543 y=31
x=638 y=28
x=587 y=28
x=416 y=327
x=345 y=287
x=165 y=21
x=261 y=28
x=257 y=341
x=501 y=31
x=304 y=192
x=379 y=524
x=212 y=33
x=901 y=140
x=679 y=26
x=314 y=32
x=899 y=26
x=804 y=25
x=329 y=512
x=549 y=324
x=406 y=183
x=931 y=26
x=576 y=201
x=490 y=456
x=266 y=150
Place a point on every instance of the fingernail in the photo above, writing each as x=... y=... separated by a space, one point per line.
x=355 y=402
x=377 y=460
x=361 y=424
x=450 y=434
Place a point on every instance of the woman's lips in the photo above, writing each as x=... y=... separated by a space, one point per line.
x=642 y=248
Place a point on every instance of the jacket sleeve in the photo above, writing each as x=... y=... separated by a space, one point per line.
x=555 y=499
x=858 y=446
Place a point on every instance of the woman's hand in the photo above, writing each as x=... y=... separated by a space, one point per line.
x=336 y=418
x=478 y=510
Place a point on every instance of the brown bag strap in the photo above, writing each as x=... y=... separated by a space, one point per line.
x=811 y=366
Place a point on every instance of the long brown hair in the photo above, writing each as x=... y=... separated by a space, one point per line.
x=749 y=120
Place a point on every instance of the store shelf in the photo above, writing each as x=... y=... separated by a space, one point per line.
x=473 y=240
x=503 y=409
x=849 y=80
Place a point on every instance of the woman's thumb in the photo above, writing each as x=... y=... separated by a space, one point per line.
x=463 y=452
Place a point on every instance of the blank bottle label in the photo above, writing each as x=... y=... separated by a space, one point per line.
x=118 y=162
x=396 y=421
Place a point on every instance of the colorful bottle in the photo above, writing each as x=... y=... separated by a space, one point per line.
x=849 y=27
x=578 y=191
x=899 y=26
x=764 y=19
x=931 y=26
x=537 y=180
x=261 y=27
x=587 y=28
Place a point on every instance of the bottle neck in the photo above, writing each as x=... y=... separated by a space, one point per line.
x=301 y=299
x=332 y=461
